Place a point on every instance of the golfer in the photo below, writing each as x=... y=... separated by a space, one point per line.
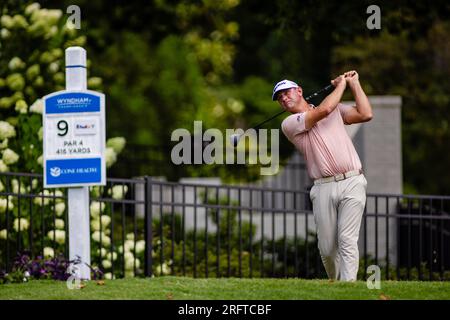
x=339 y=191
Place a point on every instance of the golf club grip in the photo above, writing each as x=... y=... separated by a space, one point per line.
x=315 y=94
x=328 y=87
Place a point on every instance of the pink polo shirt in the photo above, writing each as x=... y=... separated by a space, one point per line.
x=327 y=148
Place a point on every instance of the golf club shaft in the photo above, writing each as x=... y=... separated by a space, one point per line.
x=315 y=94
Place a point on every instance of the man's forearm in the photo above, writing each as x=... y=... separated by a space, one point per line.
x=333 y=99
x=362 y=102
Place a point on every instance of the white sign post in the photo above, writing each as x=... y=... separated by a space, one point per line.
x=74 y=145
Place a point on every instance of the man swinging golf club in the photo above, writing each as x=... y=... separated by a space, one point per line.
x=339 y=191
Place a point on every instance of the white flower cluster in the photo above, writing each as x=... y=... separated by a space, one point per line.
x=6 y=130
x=3 y=234
x=130 y=249
x=117 y=144
x=110 y=157
x=37 y=106
x=58 y=235
x=49 y=252
x=46 y=197
x=114 y=146
x=163 y=269
x=6 y=204
x=9 y=157
x=20 y=224
x=118 y=192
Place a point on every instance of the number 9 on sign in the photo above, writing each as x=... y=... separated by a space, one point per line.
x=63 y=127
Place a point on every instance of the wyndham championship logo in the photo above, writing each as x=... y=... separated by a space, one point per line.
x=73 y=101
x=55 y=172
x=69 y=102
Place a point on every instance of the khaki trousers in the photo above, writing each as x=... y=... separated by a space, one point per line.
x=338 y=208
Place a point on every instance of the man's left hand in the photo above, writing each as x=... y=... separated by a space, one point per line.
x=351 y=77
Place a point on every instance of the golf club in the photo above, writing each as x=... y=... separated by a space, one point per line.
x=234 y=138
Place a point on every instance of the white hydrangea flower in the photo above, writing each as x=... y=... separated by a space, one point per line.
x=95 y=225
x=110 y=157
x=4 y=33
x=21 y=223
x=2 y=187
x=53 y=15
x=102 y=252
x=6 y=203
x=235 y=105
x=6 y=130
x=4 y=234
x=49 y=16
x=128 y=256
x=42 y=201
x=32 y=8
x=94 y=82
x=16 y=187
x=96 y=207
x=49 y=252
x=37 y=106
x=9 y=156
x=53 y=67
x=59 y=196
x=41 y=133
x=129 y=245
x=3 y=166
x=106 y=264
x=97 y=235
x=106 y=240
x=33 y=71
x=113 y=255
x=130 y=236
x=51 y=32
x=129 y=274
x=109 y=276
x=21 y=106
x=40 y=160
x=106 y=220
x=117 y=144
x=59 y=209
x=59 y=235
x=162 y=269
x=34 y=183
x=129 y=263
x=59 y=224
x=15 y=63
x=140 y=246
x=118 y=191
x=7 y=21
x=4 y=144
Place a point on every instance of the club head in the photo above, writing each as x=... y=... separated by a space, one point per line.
x=234 y=139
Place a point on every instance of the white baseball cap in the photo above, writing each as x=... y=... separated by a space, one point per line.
x=283 y=84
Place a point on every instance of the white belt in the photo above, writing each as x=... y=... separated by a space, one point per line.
x=339 y=177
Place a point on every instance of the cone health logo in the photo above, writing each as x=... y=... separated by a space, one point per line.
x=55 y=172
x=73 y=171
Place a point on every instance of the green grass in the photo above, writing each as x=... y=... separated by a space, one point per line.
x=163 y=288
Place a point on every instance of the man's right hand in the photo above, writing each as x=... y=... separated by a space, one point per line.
x=339 y=81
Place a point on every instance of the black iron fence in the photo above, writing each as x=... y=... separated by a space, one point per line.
x=145 y=227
